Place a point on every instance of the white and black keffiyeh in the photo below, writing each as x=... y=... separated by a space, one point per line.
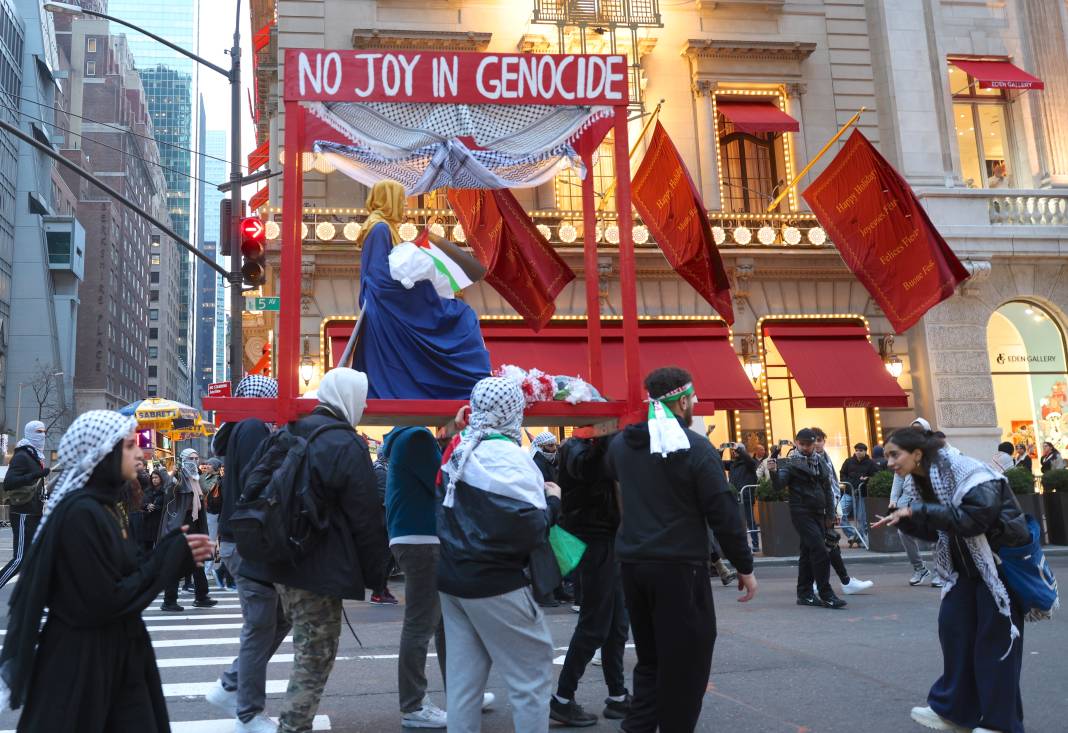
x=952 y=476
x=86 y=443
x=542 y=438
x=257 y=385
x=496 y=408
x=33 y=439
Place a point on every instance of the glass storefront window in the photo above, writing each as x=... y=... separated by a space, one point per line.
x=845 y=426
x=753 y=167
x=1030 y=376
x=983 y=137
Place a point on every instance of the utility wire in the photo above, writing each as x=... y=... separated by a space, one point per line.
x=120 y=129
x=111 y=147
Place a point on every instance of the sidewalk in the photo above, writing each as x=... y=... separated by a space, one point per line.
x=860 y=556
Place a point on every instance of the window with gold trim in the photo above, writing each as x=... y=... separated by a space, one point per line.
x=569 y=185
x=753 y=167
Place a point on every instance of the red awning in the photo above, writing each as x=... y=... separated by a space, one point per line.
x=754 y=117
x=998 y=74
x=836 y=366
x=699 y=346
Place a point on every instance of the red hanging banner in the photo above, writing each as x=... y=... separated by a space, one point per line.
x=883 y=233
x=520 y=263
x=671 y=208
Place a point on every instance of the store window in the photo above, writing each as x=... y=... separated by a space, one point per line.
x=981 y=119
x=845 y=426
x=1030 y=376
x=754 y=161
x=569 y=185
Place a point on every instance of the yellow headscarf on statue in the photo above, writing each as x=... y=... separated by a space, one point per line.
x=386 y=204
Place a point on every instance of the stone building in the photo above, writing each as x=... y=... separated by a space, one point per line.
x=939 y=81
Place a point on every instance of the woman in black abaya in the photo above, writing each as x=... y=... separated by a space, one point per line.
x=91 y=667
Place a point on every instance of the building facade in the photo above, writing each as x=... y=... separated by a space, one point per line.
x=987 y=161
x=210 y=349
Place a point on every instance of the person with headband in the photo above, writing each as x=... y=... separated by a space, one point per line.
x=672 y=490
x=413 y=343
x=91 y=666
x=493 y=522
x=23 y=486
x=185 y=506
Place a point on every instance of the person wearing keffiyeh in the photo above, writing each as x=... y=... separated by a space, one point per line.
x=23 y=482
x=970 y=512
x=185 y=506
x=495 y=513
x=543 y=450
x=91 y=666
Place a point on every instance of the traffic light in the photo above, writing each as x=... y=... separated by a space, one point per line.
x=253 y=251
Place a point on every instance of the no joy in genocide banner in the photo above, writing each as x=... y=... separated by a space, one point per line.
x=883 y=233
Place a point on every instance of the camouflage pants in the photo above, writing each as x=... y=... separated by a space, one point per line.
x=316 y=624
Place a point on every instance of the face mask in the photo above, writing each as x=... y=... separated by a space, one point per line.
x=550 y=457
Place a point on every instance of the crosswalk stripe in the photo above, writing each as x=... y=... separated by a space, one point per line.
x=321 y=722
x=210 y=661
x=218 y=641
x=217 y=607
x=199 y=689
x=192 y=627
x=191 y=617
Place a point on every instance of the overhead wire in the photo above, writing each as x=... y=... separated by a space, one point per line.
x=110 y=147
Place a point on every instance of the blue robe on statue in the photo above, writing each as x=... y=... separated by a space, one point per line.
x=414 y=344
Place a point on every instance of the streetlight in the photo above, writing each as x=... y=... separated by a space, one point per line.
x=233 y=75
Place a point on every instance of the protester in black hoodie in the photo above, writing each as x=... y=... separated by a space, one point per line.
x=23 y=486
x=591 y=513
x=672 y=490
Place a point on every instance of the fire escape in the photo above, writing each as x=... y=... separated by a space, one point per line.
x=602 y=26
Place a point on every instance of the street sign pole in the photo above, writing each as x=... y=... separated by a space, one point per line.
x=237 y=356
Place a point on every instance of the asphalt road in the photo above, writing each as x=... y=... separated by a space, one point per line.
x=777 y=668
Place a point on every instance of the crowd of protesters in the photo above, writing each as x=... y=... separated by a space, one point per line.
x=466 y=517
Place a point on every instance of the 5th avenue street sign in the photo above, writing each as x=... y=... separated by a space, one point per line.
x=263 y=304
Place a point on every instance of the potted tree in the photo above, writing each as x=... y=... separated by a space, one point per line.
x=1022 y=483
x=778 y=538
x=1055 y=499
x=881 y=539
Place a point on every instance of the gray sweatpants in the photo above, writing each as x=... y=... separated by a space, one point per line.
x=912 y=549
x=264 y=628
x=422 y=622
x=508 y=631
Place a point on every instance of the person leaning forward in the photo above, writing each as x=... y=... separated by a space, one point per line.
x=672 y=490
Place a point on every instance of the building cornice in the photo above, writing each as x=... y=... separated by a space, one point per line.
x=395 y=39
x=710 y=48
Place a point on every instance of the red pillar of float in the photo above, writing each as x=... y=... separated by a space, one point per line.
x=593 y=286
x=289 y=277
x=627 y=277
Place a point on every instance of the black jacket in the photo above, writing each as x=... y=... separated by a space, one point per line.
x=352 y=554
x=590 y=504
x=989 y=508
x=668 y=504
x=853 y=471
x=742 y=470
x=808 y=483
x=548 y=470
x=236 y=443
x=24 y=470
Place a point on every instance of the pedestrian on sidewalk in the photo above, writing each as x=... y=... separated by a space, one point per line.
x=152 y=508
x=185 y=506
x=349 y=556
x=591 y=513
x=495 y=513
x=742 y=472
x=1022 y=459
x=970 y=511
x=807 y=478
x=1051 y=458
x=411 y=504
x=1002 y=460
x=241 y=691
x=91 y=666
x=850 y=585
x=24 y=491
x=920 y=572
x=382 y=596
x=672 y=490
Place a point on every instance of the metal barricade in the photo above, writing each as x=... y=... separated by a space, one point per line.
x=746 y=497
x=859 y=526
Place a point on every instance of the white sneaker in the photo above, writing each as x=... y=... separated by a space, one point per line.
x=597 y=658
x=260 y=724
x=488 y=698
x=225 y=700
x=856 y=586
x=930 y=719
x=985 y=730
x=937 y=582
x=428 y=716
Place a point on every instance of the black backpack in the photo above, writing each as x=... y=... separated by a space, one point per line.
x=276 y=519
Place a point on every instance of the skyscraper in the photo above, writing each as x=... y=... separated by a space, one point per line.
x=170 y=81
x=210 y=327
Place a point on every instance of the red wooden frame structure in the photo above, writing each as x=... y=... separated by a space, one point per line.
x=314 y=75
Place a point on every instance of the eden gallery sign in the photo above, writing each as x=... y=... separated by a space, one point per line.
x=456 y=78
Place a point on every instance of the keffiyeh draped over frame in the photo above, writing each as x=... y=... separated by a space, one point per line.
x=496 y=407
x=952 y=476
x=257 y=385
x=88 y=440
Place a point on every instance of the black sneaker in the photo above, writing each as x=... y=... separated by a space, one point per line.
x=172 y=608
x=570 y=714
x=617 y=710
x=809 y=599
x=830 y=600
x=205 y=603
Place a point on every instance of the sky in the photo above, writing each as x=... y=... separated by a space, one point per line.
x=216 y=26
